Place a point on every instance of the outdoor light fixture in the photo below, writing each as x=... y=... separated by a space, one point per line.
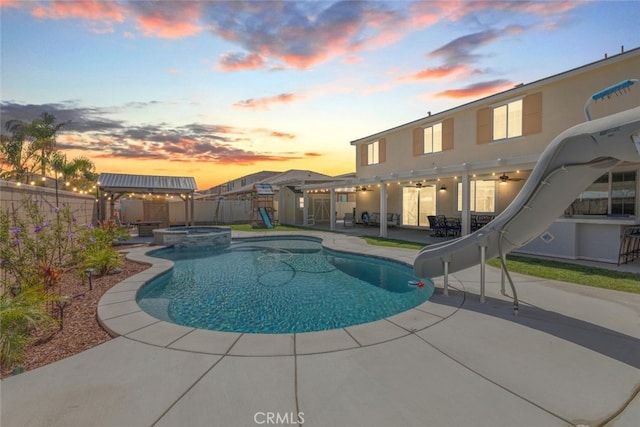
x=89 y=273
x=443 y=187
x=62 y=303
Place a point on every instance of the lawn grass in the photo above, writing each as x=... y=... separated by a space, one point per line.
x=393 y=243
x=572 y=273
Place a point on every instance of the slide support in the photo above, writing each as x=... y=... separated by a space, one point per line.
x=483 y=256
x=445 y=288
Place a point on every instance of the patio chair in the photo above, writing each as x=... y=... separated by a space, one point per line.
x=454 y=226
x=349 y=219
x=434 y=224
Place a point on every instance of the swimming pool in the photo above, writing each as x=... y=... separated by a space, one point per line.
x=278 y=286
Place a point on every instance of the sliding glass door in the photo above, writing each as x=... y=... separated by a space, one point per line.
x=417 y=203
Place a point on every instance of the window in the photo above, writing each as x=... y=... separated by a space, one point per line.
x=623 y=193
x=300 y=202
x=373 y=151
x=507 y=120
x=482 y=198
x=417 y=203
x=611 y=194
x=432 y=139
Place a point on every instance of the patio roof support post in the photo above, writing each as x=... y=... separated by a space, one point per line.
x=112 y=207
x=193 y=210
x=281 y=206
x=465 y=215
x=305 y=207
x=186 y=210
x=483 y=255
x=383 y=209
x=332 y=209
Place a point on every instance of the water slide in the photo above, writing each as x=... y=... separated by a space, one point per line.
x=264 y=214
x=571 y=162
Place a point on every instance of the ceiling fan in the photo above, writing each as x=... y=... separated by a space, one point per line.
x=418 y=185
x=504 y=178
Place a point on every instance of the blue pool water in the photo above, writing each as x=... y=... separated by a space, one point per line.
x=278 y=286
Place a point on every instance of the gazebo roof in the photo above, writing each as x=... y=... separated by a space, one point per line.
x=116 y=182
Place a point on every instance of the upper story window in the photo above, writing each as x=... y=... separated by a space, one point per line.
x=373 y=153
x=512 y=119
x=507 y=120
x=432 y=139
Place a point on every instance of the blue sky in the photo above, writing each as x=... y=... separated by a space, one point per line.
x=217 y=90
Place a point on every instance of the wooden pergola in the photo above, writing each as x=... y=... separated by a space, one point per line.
x=112 y=186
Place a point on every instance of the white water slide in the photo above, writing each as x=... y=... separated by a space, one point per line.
x=571 y=162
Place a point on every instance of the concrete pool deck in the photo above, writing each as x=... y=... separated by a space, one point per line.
x=571 y=357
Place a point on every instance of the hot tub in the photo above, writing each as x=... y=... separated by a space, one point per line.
x=193 y=237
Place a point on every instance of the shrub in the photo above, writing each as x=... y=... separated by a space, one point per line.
x=35 y=249
x=20 y=315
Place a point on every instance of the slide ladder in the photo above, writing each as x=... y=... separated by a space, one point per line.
x=571 y=162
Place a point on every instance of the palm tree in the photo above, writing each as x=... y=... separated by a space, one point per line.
x=43 y=131
x=16 y=153
x=79 y=172
x=30 y=146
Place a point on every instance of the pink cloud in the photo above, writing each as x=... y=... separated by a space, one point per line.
x=9 y=3
x=169 y=22
x=83 y=9
x=440 y=72
x=264 y=103
x=282 y=135
x=477 y=90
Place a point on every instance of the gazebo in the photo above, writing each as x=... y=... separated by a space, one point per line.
x=112 y=186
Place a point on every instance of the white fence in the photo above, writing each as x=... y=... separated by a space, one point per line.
x=206 y=212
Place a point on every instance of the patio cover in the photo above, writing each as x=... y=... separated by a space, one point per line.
x=126 y=183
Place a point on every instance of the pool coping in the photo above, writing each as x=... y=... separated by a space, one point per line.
x=120 y=315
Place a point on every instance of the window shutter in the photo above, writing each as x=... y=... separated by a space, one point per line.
x=382 y=147
x=447 y=134
x=532 y=114
x=483 y=131
x=364 y=151
x=418 y=141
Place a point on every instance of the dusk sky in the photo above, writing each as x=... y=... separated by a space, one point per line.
x=217 y=90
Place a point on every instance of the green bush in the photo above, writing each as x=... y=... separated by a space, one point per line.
x=103 y=260
x=20 y=315
x=36 y=247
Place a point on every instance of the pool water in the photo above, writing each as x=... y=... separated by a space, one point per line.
x=278 y=286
